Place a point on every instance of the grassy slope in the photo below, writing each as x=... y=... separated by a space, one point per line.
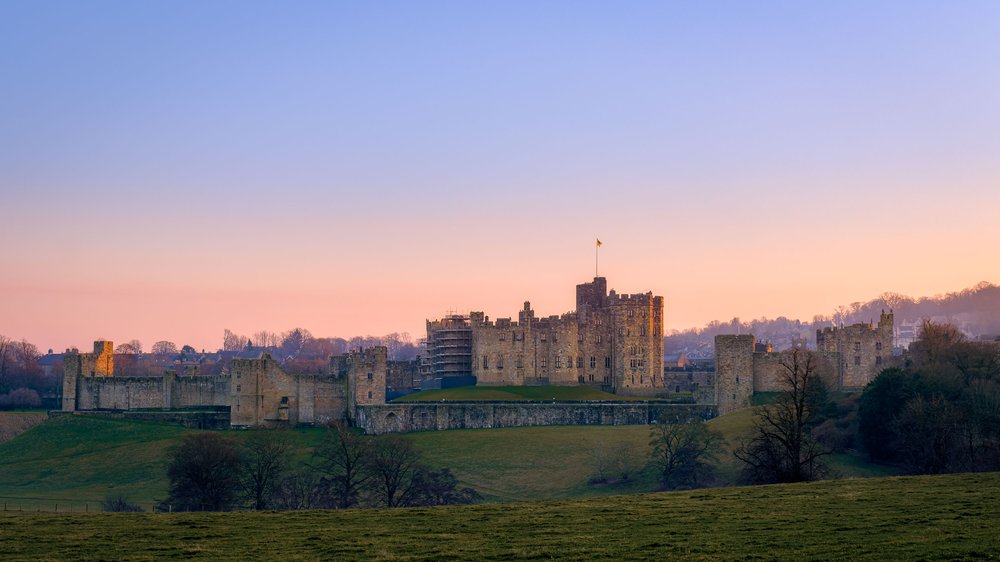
x=941 y=517
x=84 y=459
x=472 y=393
x=13 y=424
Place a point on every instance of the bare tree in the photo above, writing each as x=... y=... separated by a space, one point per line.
x=127 y=362
x=265 y=462
x=343 y=456
x=265 y=338
x=164 y=348
x=395 y=464
x=781 y=448
x=233 y=342
x=6 y=354
x=683 y=452
x=204 y=473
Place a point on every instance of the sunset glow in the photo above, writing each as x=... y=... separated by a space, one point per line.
x=169 y=170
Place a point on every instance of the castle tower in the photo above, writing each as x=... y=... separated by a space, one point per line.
x=100 y=363
x=733 y=372
x=366 y=370
x=636 y=333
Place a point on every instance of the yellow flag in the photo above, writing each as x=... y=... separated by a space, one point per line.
x=598 y=242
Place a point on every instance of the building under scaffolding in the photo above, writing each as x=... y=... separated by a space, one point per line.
x=449 y=347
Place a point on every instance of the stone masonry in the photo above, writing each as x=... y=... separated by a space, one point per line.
x=612 y=341
x=849 y=358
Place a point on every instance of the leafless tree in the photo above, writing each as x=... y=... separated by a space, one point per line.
x=394 y=464
x=683 y=452
x=343 y=456
x=265 y=338
x=127 y=360
x=265 y=462
x=781 y=448
x=6 y=355
x=164 y=348
x=233 y=342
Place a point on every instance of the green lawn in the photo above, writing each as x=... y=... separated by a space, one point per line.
x=78 y=460
x=927 y=518
x=473 y=393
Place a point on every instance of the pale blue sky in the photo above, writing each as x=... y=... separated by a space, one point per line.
x=209 y=134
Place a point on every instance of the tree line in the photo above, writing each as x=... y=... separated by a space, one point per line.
x=23 y=382
x=216 y=472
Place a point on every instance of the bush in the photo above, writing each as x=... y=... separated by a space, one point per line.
x=21 y=398
x=119 y=504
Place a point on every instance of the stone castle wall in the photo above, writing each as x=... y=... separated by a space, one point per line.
x=863 y=349
x=611 y=341
x=734 y=373
x=168 y=392
x=391 y=418
x=849 y=358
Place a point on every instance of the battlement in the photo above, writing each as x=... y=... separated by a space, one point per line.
x=634 y=299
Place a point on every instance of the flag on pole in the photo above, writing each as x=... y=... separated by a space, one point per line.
x=598 y=242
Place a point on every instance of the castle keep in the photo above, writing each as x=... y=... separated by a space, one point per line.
x=849 y=358
x=612 y=341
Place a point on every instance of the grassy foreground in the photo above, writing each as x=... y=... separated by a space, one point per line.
x=940 y=517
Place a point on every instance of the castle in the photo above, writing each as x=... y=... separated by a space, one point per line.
x=849 y=358
x=255 y=391
x=612 y=341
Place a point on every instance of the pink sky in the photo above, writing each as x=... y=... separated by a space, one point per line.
x=170 y=170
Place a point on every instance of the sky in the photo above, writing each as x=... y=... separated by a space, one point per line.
x=171 y=169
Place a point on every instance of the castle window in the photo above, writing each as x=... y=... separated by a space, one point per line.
x=857 y=359
x=642 y=330
x=857 y=346
x=579 y=362
x=579 y=338
x=599 y=338
x=239 y=388
x=593 y=362
x=737 y=380
x=503 y=336
x=520 y=361
x=607 y=362
x=369 y=376
x=734 y=397
x=543 y=337
x=486 y=362
x=545 y=362
x=621 y=331
x=641 y=380
x=878 y=346
x=369 y=395
x=591 y=378
x=555 y=338
x=878 y=359
x=499 y=361
x=631 y=313
x=558 y=362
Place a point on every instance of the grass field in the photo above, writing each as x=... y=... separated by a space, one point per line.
x=474 y=393
x=76 y=461
x=928 y=518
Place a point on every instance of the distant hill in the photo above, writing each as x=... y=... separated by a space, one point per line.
x=976 y=311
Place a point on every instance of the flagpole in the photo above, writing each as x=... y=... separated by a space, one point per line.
x=597 y=252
